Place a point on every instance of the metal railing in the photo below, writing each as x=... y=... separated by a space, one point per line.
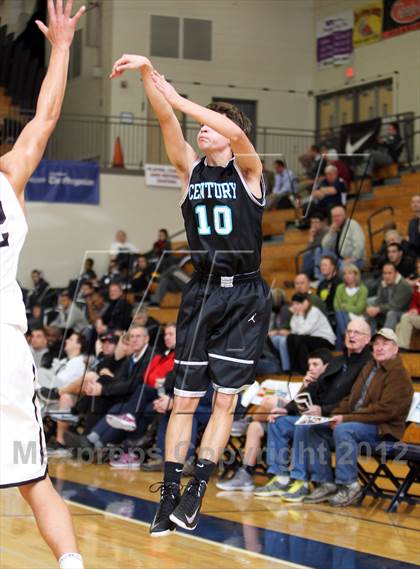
x=92 y=137
x=382 y=229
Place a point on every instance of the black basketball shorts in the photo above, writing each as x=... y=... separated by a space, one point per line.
x=221 y=329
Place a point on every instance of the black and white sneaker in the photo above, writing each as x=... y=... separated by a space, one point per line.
x=186 y=513
x=48 y=394
x=169 y=499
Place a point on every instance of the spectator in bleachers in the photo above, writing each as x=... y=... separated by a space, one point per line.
x=350 y=300
x=121 y=245
x=70 y=317
x=141 y=317
x=112 y=275
x=309 y=331
x=96 y=306
x=257 y=427
x=410 y=320
x=387 y=150
x=415 y=276
x=334 y=384
x=141 y=276
x=404 y=264
x=330 y=192
x=38 y=344
x=117 y=315
x=345 y=239
x=88 y=272
x=414 y=227
x=268 y=176
x=284 y=188
x=343 y=170
x=374 y=411
x=391 y=236
x=280 y=325
x=163 y=243
x=329 y=282
x=37 y=294
x=392 y=299
x=36 y=318
x=65 y=370
x=312 y=258
x=314 y=165
x=54 y=340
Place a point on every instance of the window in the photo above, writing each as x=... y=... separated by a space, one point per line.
x=197 y=39
x=75 y=64
x=164 y=36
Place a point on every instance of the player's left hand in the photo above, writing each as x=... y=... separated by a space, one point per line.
x=167 y=90
x=61 y=26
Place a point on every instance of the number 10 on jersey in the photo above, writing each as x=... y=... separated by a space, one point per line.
x=222 y=220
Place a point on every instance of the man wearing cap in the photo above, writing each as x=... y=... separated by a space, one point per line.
x=375 y=410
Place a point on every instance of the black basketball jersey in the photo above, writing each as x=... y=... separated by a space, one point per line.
x=222 y=220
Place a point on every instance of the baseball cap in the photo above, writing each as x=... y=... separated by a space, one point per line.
x=113 y=338
x=388 y=334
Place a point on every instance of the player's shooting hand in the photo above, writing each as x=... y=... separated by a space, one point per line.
x=131 y=62
x=61 y=26
x=165 y=88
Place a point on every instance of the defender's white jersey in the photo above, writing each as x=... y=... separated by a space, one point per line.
x=13 y=230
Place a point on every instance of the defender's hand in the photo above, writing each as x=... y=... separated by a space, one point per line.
x=61 y=26
x=128 y=61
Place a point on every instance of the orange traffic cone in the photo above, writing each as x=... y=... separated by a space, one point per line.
x=118 y=160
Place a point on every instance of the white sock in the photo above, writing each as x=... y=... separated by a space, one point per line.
x=283 y=478
x=71 y=561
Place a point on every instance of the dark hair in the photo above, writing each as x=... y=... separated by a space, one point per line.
x=318 y=214
x=397 y=245
x=330 y=258
x=39 y=330
x=66 y=293
x=81 y=340
x=321 y=354
x=232 y=113
x=280 y=163
x=90 y=261
x=297 y=297
x=315 y=148
x=165 y=231
x=388 y=264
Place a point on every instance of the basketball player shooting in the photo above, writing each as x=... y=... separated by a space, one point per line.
x=224 y=314
x=23 y=455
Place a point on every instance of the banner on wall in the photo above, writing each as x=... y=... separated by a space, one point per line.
x=334 y=39
x=356 y=138
x=400 y=16
x=161 y=176
x=64 y=181
x=367 y=24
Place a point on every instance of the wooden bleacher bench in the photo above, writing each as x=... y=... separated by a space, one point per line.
x=386 y=172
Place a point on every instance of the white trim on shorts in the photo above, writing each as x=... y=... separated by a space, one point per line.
x=185 y=393
x=230 y=359
x=229 y=390
x=188 y=363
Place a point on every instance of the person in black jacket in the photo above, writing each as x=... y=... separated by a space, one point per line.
x=106 y=392
x=414 y=227
x=326 y=393
x=117 y=315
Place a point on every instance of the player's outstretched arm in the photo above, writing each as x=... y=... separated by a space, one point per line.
x=245 y=155
x=179 y=152
x=21 y=161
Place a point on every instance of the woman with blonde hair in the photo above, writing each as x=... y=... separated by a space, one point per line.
x=350 y=300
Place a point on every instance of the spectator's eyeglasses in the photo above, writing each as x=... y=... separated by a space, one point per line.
x=356 y=333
